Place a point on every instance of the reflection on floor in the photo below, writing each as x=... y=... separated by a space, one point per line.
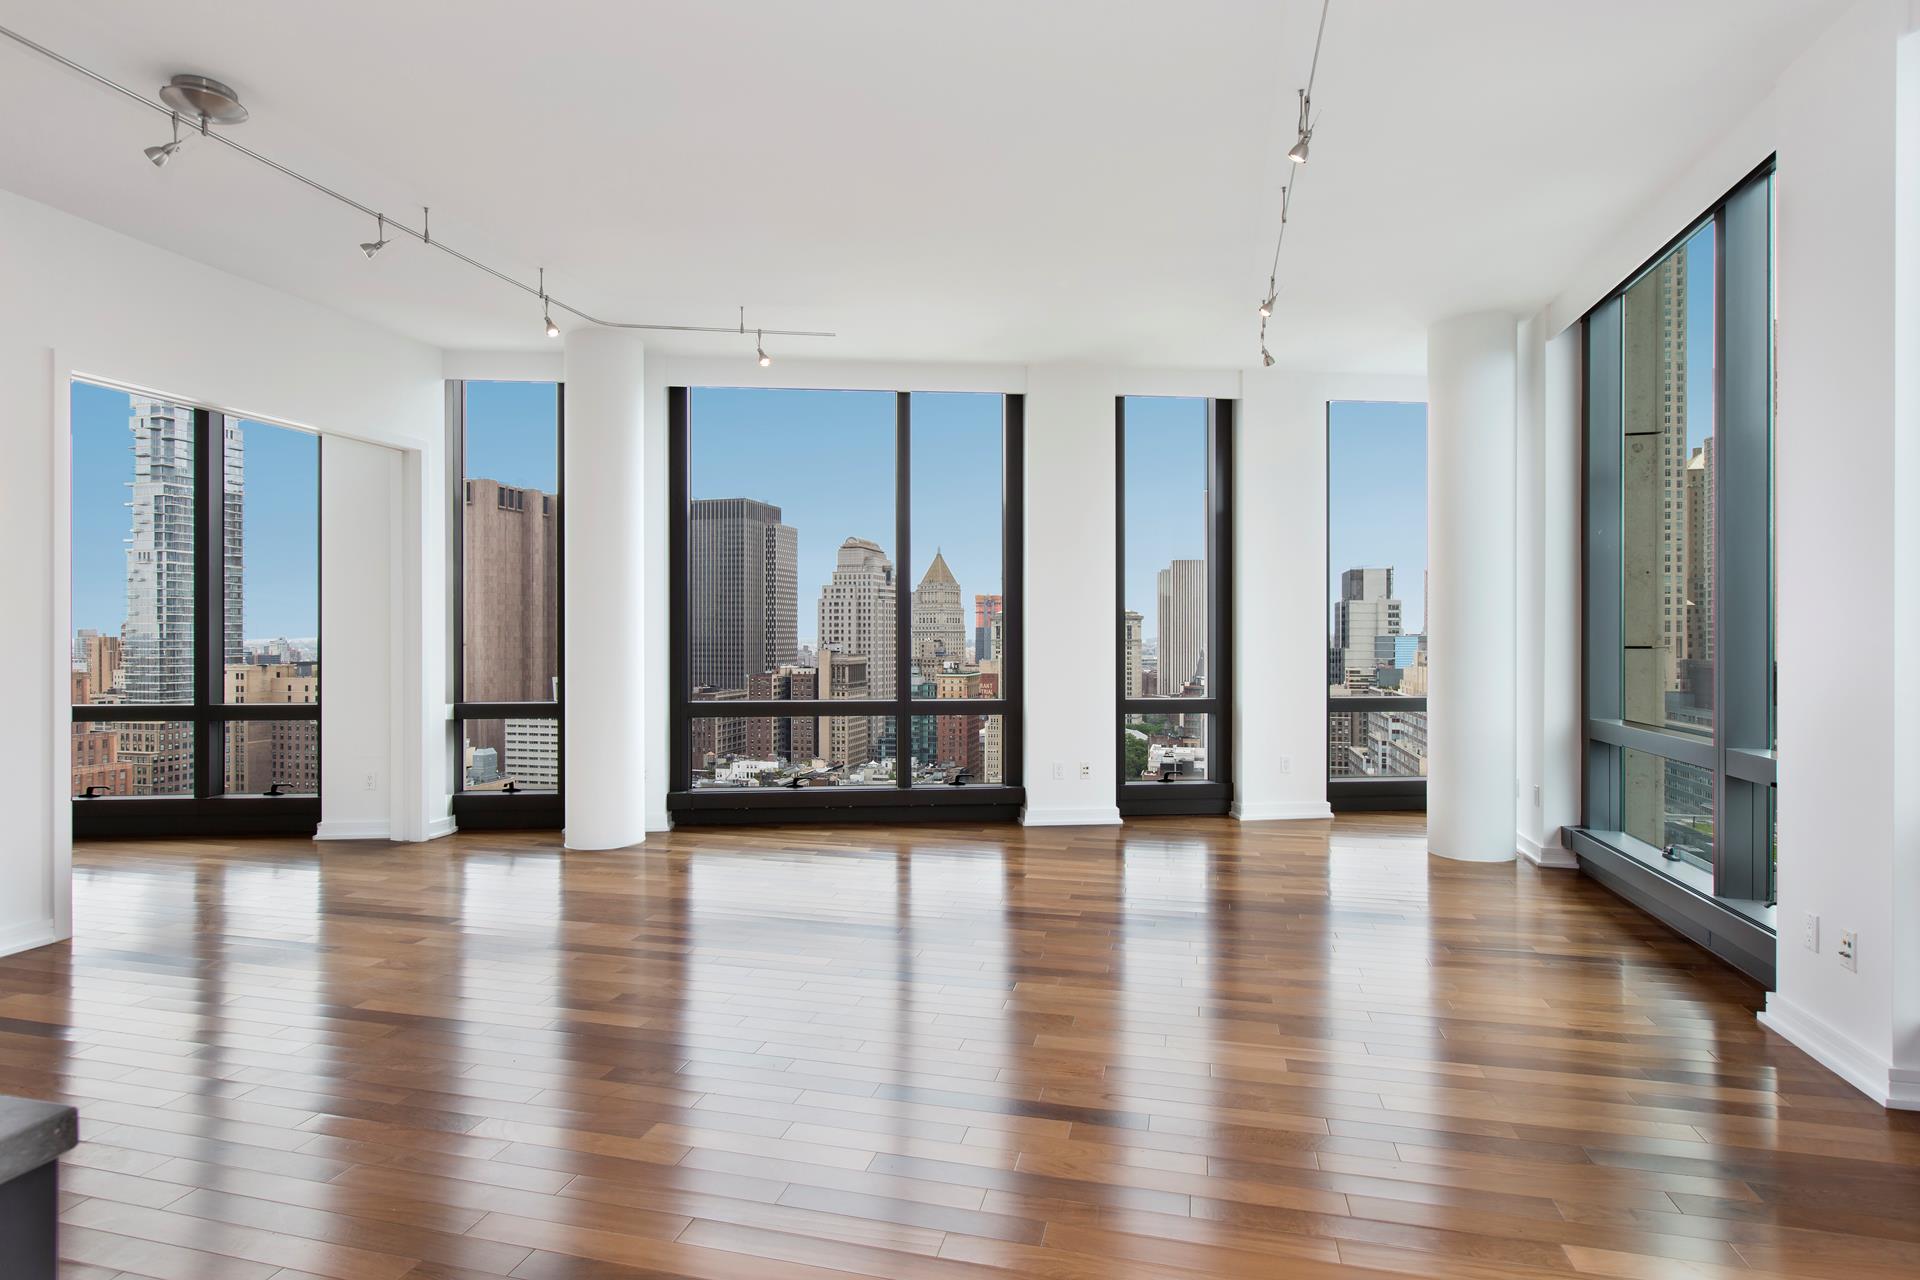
x=1181 y=1048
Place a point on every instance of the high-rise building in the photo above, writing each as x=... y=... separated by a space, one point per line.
x=1136 y=672
x=986 y=612
x=939 y=634
x=1182 y=601
x=743 y=592
x=100 y=658
x=532 y=756
x=261 y=753
x=857 y=617
x=848 y=739
x=789 y=738
x=510 y=558
x=1366 y=612
x=1696 y=652
x=158 y=633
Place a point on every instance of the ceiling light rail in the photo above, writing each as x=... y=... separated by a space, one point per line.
x=1297 y=154
x=208 y=102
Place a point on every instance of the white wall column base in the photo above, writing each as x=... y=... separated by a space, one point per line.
x=25 y=937
x=1283 y=811
x=362 y=829
x=437 y=827
x=1108 y=816
x=1554 y=855
x=1859 y=1066
x=568 y=843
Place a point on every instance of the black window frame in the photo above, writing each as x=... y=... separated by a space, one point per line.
x=502 y=810
x=211 y=810
x=902 y=801
x=1729 y=914
x=1214 y=795
x=1367 y=795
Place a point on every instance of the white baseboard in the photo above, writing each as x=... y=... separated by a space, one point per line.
x=1859 y=1066
x=437 y=827
x=571 y=847
x=367 y=829
x=1282 y=811
x=1100 y=816
x=25 y=937
x=1545 y=855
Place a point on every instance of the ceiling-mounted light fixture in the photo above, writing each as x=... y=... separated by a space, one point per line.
x=1266 y=303
x=205 y=99
x=379 y=241
x=546 y=311
x=1298 y=152
x=1266 y=356
x=759 y=348
x=164 y=152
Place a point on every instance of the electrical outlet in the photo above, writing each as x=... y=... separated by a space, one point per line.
x=1059 y=771
x=1810 y=932
x=1286 y=764
x=1086 y=771
x=373 y=782
x=1536 y=797
x=1850 y=951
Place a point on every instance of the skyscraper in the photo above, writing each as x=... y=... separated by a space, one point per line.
x=1182 y=601
x=939 y=635
x=743 y=570
x=510 y=562
x=986 y=612
x=1366 y=611
x=158 y=633
x=1136 y=672
x=857 y=611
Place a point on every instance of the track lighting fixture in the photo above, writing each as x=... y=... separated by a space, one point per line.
x=759 y=348
x=1266 y=356
x=553 y=330
x=379 y=241
x=1298 y=152
x=1266 y=304
x=164 y=152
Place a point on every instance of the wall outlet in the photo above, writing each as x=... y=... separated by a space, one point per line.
x=1286 y=764
x=1086 y=771
x=1850 y=951
x=1810 y=932
x=1536 y=797
x=372 y=782
x=1059 y=771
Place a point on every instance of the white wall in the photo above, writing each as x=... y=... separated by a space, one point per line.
x=86 y=301
x=1281 y=584
x=1845 y=126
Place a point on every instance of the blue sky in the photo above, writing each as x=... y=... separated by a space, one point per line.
x=511 y=434
x=1166 y=499
x=826 y=459
x=1700 y=344
x=1377 y=499
x=280 y=520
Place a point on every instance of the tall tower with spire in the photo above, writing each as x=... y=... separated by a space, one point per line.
x=939 y=621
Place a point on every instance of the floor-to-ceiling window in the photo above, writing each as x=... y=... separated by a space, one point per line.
x=505 y=440
x=1175 y=515
x=1679 y=578
x=1376 y=605
x=195 y=679
x=846 y=601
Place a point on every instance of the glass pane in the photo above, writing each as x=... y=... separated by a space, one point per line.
x=1377 y=548
x=1668 y=804
x=958 y=474
x=510 y=551
x=957 y=751
x=1668 y=491
x=510 y=755
x=1377 y=744
x=1164 y=618
x=281 y=756
x=133 y=758
x=133 y=548
x=792 y=752
x=1169 y=748
x=272 y=617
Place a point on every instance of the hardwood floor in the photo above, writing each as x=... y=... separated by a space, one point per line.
x=1183 y=1048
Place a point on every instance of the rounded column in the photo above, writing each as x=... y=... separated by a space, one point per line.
x=605 y=519
x=1471 y=609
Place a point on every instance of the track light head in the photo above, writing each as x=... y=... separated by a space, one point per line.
x=760 y=350
x=371 y=247
x=1266 y=306
x=553 y=330
x=161 y=154
x=1266 y=356
x=1298 y=152
x=379 y=241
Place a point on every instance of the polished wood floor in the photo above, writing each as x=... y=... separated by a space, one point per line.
x=1185 y=1048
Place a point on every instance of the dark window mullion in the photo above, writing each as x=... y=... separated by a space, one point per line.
x=209 y=601
x=902 y=592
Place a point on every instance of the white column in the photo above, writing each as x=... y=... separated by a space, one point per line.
x=605 y=512
x=1471 y=551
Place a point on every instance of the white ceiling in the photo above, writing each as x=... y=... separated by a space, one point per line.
x=1000 y=180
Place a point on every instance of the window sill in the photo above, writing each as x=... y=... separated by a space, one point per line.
x=1680 y=896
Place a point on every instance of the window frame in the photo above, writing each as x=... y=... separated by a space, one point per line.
x=499 y=810
x=211 y=810
x=902 y=801
x=1214 y=795
x=1728 y=905
x=1368 y=795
